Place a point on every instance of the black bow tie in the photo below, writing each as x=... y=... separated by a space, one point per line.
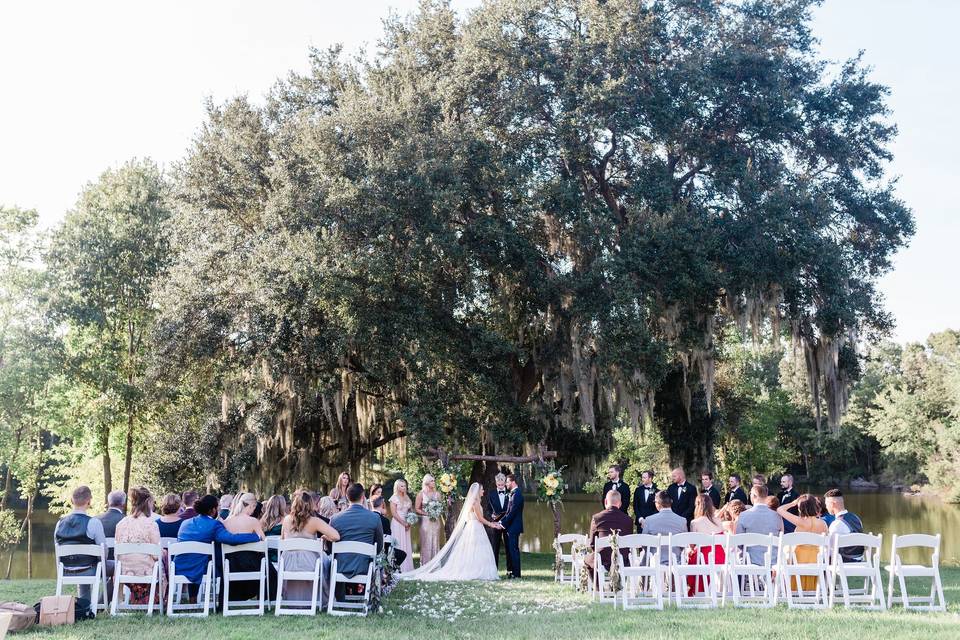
x=503 y=493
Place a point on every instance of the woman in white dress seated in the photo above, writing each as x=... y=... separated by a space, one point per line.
x=467 y=555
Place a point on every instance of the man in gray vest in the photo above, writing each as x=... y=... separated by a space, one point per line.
x=78 y=528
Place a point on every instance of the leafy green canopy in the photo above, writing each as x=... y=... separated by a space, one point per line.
x=515 y=227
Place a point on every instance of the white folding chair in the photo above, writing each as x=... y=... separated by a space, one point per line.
x=97 y=581
x=900 y=571
x=704 y=570
x=601 y=584
x=314 y=576
x=166 y=542
x=120 y=603
x=244 y=607
x=356 y=605
x=749 y=584
x=201 y=608
x=790 y=571
x=871 y=595
x=568 y=558
x=643 y=579
x=273 y=546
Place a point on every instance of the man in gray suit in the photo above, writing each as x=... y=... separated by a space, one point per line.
x=357 y=524
x=759 y=519
x=116 y=505
x=664 y=522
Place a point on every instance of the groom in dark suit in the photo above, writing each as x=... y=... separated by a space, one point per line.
x=497 y=502
x=512 y=523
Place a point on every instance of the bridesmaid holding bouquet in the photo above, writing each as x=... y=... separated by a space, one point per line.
x=429 y=525
x=401 y=511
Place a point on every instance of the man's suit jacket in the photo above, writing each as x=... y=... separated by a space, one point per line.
x=738 y=494
x=512 y=520
x=606 y=522
x=357 y=524
x=623 y=489
x=664 y=523
x=785 y=497
x=644 y=508
x=684 y=497
x=760 y=519
x=110 y=518
x=493 y=503
x=714 y=494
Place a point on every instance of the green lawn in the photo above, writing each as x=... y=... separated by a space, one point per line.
x=535 y=607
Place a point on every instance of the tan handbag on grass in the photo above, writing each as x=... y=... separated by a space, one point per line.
x=57 y=610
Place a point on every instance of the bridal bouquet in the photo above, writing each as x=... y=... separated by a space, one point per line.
x=412 y=518
x=434 y=509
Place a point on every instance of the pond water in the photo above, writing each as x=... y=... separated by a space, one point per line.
x=881 y=512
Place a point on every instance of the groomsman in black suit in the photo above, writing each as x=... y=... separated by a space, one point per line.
x=614 y=483
x=497 y=502
x=736 y=491
x=786 y=496
x=706 y=481
x=683 y=494
x=644 y=504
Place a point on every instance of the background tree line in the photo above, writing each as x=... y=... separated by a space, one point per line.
x=568 y=222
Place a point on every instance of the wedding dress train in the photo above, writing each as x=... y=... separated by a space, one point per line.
x=467 y=555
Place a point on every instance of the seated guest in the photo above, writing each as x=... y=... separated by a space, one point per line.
x=759 y=519
x=116 y=509
x=274 y=511
x=376 y=491
x=241 y=520
x=705 y=521
x=728 y=516
x=204 y=527
x=706 y=480
x=357 y=524
x=226 y=503
x=664 y=522
x=773 y=503
x=170 y=521
x=682 y=494
x=822 y=510
x=843 y=522
x=339 y=491
x=807 y=521
x=603 y=524
x=78 y=528
x=187 y=502
x=327 y=508
x=643 y=499
x=379 y=505
x=301 y=523
x=736 y=491
x=139 y=527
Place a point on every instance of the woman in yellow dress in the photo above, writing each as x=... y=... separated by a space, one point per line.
x=808 y=521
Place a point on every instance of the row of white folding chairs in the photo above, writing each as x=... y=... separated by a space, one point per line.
x=654 y=568
x=351 y=605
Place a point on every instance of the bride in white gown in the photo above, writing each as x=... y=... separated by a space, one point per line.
x=468 y=554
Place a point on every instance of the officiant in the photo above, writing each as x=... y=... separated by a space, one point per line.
x=614 y=483
x=496 y=507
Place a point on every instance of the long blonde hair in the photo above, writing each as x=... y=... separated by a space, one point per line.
x=703 y=507
x=427 y=479
x=273 y=512
x=240 y=502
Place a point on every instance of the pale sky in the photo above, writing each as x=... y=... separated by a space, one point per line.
x=88 y=85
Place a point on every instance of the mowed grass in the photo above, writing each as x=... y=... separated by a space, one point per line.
x=534 y=607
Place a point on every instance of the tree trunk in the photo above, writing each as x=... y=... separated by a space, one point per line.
x=30 y=537
x=107 y=474
x=129 y=454
x=8 y=482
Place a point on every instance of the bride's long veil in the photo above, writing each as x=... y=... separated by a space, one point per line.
x=440 y=560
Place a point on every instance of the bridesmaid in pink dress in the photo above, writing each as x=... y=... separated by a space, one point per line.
x=400 y=506
x=429 y=529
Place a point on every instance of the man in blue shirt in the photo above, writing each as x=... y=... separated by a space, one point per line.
x=205 y=527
